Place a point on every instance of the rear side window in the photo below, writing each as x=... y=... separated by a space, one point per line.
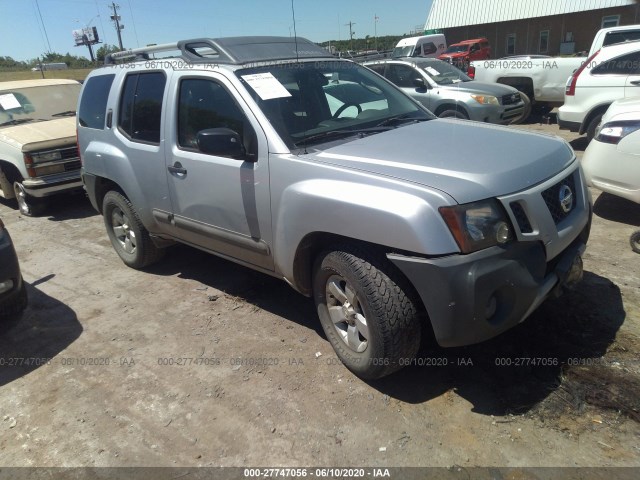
x=141 y=106
x=624 y=65
x=93 y=104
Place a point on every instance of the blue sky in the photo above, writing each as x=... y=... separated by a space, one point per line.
x=160 y=21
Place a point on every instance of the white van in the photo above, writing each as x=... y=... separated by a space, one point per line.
x=424 y=46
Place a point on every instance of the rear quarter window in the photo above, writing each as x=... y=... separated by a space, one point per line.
x=140 y=109
x=93 y=104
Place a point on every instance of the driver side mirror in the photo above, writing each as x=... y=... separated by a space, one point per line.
x=222 y=142
x=419 y=83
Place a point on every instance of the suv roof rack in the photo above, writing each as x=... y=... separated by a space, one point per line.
x=230 y=50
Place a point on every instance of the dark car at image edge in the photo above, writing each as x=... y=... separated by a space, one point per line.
x=13 y=293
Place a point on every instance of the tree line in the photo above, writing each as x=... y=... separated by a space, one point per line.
x=369 y=42
x=8 y=64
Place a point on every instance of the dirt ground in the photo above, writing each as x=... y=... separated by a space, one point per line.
x=200 y=362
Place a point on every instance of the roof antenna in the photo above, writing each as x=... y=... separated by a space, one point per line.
x=295 y=34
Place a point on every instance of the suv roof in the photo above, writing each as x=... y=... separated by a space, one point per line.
x=230 y=50
x=473 y=40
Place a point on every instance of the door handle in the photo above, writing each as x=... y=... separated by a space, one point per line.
x=177 y=169
x=635 y=82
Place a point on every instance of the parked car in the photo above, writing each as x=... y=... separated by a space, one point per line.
x=448 y=92
x=428 y=46
x=318 y=171
x=462 y=53
x=38 y=148
x=611 y=73
x=13 y=292
x=543 y=79
x=610 y=161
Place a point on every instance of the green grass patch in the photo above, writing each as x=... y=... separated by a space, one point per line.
x=70 y=73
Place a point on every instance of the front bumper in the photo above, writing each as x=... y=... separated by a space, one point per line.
x=471 y=298
x=501 y=115
x=14 y=300
x=52 y=184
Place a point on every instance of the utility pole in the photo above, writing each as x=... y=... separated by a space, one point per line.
x=116 y=20
x=351 y=32
x=375 y=29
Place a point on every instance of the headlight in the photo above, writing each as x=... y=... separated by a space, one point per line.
x=477 y=225
x=46 y=156
x=613 y=132
x=485 y=99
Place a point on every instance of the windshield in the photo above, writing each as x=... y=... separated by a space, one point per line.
x=444 y=73
x=400 y=52
x=311 y=101
x=39 y=103
x=457 y=49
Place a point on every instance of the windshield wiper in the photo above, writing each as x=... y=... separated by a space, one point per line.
x=399 y=119
x=68 y=113
x=339 y=134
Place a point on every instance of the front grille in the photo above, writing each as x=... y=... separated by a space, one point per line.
x=71 y=166
x=521 y=217
x=552 y=198
x=510 y=99
x=67 y=153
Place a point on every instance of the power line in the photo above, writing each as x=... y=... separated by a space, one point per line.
x=135 y=32
x=43 y=27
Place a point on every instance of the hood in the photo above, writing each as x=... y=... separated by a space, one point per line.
x=495 y=89
x=29 y=137
x=468 y=160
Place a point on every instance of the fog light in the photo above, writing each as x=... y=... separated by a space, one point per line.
x=6 y=286
x=503 y=233
x=492 y=306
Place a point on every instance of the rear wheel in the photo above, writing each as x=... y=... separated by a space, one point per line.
x=129 y=237
x=634 y=240
x=29 y=206
x=366 y=312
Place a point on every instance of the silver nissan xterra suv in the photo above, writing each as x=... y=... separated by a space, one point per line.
x=271 y=153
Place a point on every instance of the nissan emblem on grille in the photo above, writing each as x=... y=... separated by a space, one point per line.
x=566 y=198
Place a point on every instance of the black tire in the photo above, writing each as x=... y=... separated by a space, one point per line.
x=526 y=112
x=593 y=124
x=129 y=238
x=453 y=114
x=634 y=240
x=381 y=296
x=29 y=206
x=12 y=313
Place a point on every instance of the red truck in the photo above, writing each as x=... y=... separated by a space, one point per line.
x=467 y=51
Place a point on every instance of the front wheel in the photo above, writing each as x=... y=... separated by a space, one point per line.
x=128 y=236
x=28 y=205
x=366 y=312
x=453 y=114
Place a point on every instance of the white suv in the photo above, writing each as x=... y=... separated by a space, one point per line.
x=611 y=73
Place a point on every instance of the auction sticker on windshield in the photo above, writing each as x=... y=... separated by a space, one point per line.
x=9 y=101
x=266 y=85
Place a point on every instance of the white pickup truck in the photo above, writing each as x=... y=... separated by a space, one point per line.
x=540 y=78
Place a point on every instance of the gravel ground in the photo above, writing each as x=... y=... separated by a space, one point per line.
x=200 y=362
